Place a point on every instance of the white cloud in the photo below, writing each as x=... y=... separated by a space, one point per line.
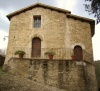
x=3 y=16
x=69 y=5
x=66 y=4
x=96 y=42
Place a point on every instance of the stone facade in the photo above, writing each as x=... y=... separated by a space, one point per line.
x=59 y=30
x=62 y=74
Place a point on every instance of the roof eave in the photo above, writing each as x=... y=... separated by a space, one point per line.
x=9 y=16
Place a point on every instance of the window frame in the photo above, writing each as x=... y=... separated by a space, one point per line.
x=37 y=21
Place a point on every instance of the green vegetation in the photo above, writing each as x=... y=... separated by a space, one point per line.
x=1 y=71
x=97 y=70
x=50 y=52
x=93 y=8
x=20 y=52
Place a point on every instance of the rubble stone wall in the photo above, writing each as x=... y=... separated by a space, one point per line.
x=63 y=74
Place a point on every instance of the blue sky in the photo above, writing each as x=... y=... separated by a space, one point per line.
x=75 y=6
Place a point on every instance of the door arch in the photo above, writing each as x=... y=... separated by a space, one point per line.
x=78 y=52
x=36 y=47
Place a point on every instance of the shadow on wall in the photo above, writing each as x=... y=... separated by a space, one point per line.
x=2 y=59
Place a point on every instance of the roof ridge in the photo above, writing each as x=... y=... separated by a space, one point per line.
x=38 y=4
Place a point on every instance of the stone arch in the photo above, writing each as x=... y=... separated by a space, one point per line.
x=79 y=44
x=38 y=36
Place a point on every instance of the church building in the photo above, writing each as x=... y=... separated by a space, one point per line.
x=41 y=28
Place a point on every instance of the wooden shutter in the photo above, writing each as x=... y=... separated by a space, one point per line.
x=78 y=53
x=36 y=47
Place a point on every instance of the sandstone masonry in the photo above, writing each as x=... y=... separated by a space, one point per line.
x=60 y=31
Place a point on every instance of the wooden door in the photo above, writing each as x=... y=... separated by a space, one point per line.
x=36 y=47
x=78 y=53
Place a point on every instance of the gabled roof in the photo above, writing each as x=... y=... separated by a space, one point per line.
x=68 y=14
x=9 y=16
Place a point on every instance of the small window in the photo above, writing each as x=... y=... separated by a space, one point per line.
x=37 y=21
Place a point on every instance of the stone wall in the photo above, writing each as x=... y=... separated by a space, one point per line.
x=63 y=74
x=80 y=34
x=57 y=31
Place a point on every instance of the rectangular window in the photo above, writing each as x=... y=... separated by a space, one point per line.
x=37 y=21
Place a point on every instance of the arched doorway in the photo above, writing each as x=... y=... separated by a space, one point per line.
x=36 y=47
x=78 y=52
